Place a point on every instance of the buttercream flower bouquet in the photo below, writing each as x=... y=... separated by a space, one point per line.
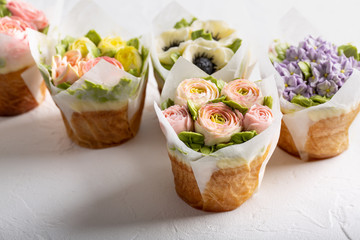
x=220 y=135
x=98 y=81
x=21 y=85
x=319 y=85
x=211 y=45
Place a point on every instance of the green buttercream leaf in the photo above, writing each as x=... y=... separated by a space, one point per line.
x=201 y=34
x=280 y=49
x=222 y=145
x=268 y=101
x=235 y=45
x=237 y=106
x=45 y=71
x=4 y=11
x=220 y=99
x=195 y=146
x=109 y=53
x=144 y=54
x=302 y=101
x=242 y=137
x=319 y=99
x=101 y=94
x=175 y=56
x=349 y=51
x=166 y=104
x=305 y=69
x=191 y=137
x=45 y=30
x=134 y=72
x=60 y=50
x=67 y=41
x=134 y=42
x=183 y=23
x=64 y=85
x=94 y=37
x=218 y=82
x=192 y=109
x=207 y=150
x=167 y=66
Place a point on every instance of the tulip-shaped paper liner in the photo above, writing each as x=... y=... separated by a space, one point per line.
x=320 y=131
x=224 y=179
x=240 y=64
x=94 y=119
x=21 y=85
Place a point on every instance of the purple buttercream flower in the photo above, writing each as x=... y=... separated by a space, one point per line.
x=328 y=70
x=327 y=88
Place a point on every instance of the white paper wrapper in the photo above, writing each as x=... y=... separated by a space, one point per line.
x=43 y=48
x=292 y=29
x=17 y=55
x=241 y=64
x=204 y=166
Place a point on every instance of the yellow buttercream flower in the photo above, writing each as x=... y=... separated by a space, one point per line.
x=129 y=58
x=110 y=45
x=85 y=46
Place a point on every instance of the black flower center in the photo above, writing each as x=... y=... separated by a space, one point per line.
x=205 y=63
x=214 y=36
x=174 y=43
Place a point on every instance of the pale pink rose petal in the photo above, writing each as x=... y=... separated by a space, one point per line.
x=63 y=71
x=86 y=66
x=28 y=13
x=179 y=118
x=243 y=92
x=73 y=57
x=198 y=90
x=214 y=132
x=258 y=118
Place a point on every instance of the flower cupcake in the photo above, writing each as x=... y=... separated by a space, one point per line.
x=210 y=45
x=21 y=85
x=318 y=84
x=97 y=82
x=220 y=136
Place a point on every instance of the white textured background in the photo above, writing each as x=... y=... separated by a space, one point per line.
x=53 y=189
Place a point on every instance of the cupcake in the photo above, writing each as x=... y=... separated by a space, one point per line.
x=21 y=85
x=318 y=83
x=98 y=82
x=211 y=45
x=220 y=136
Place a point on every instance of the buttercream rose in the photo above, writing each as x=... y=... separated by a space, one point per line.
x=258 y=118
x=179 y=118
x=14 y=26
x=243 y=92
x=62 y=70
x=218 y=122
x=198 y=90
x=86 y=66
x=28 y=13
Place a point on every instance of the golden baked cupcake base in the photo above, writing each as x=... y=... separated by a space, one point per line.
x=15 y=97
x=226 y=190
x=326 y=138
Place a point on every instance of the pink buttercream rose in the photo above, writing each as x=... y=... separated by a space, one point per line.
x=179 y=118
x=243 y=92
x=85 y=66
x=258 y=118
x=218 y=122
x=198 y=90
x=63 y=71
x=15 y=27
x=28 y=13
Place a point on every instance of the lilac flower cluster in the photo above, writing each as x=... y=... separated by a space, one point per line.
x=329 y=71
